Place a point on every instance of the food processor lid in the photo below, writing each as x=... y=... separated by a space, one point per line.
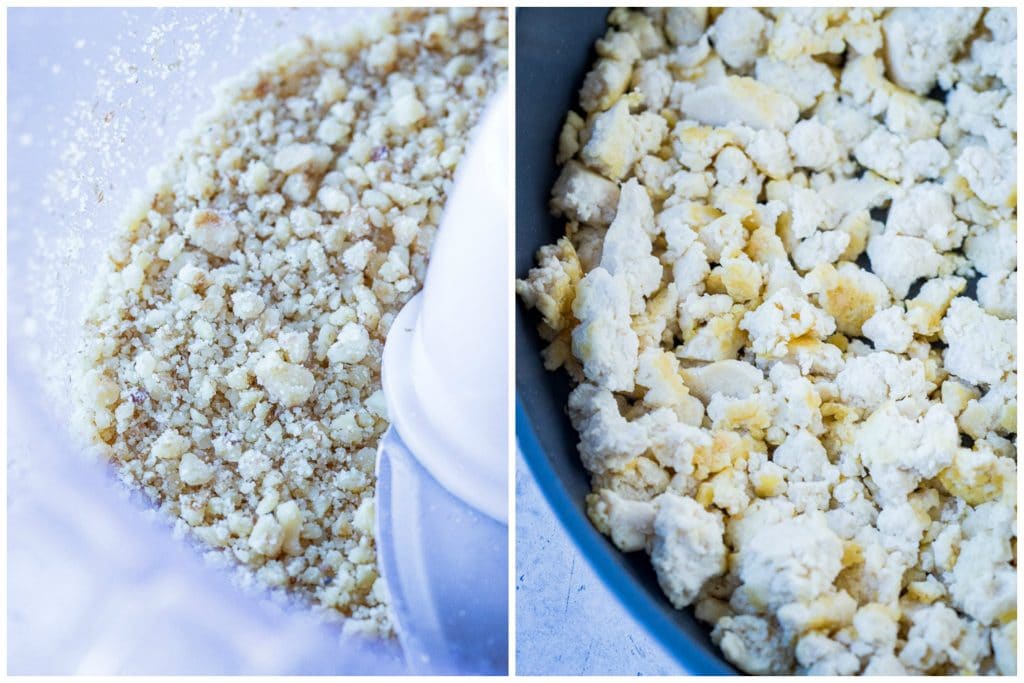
x=445 y=364
x=442 y=466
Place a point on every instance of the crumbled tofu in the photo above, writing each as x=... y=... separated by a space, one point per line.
x=738 y=34
x=993 y=249
x=981 y=348
x=793 y=560
x=743 y=100
x=607 y=440
x=551 y=287
x=783 y=394
x=605 y=83
x=629 y=523
x=921 y=40
x=997 y=294
x=584 y=196
x=926 y=310
x=889 y=330
x=686 y=548
x=603 y=340
x=618 y=140
x=991 y=175
x=814 y=145
x=926 y=211
x=851 y=295
x=900 y=261
x=783 y=318
x=627 y=245
x=868 y=381
x=899 y=452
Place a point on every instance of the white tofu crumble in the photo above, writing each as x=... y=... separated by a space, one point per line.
x=783 y=391
x=232 y=365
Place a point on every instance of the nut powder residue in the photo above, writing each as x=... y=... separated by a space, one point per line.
x=233 y=344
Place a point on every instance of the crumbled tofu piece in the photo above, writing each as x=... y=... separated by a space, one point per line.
x=687 y=547
x=889 y=330
x=551 y=286
x=992 y=176
x=729 y=377
x=769 y=149
x=753 y=644
x=607 y=440
x=993 y=249
x=604 y=341
x=997 y=294
x=981 y=348
x=658 y=371
x=926 y=310
x=899 y=452
x=926 y=211
x=918 y=41
x=619 y=139
x=685 y=25
x=629 y=523
x=710 y=328
x=743 y=100
x=869 y=381
x=980 y=476
x=627 y=245
x=783 y=318
x=848 y=293
x=819 y=655
x=880 y=152
x=738 y=34
x=793 y=560
x=584 y=196
x=814 y=145
x=900 y=261
x=804 y=79
x=606 y=82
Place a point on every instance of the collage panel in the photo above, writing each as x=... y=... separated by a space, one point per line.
x=766 y=341
x=250 y=430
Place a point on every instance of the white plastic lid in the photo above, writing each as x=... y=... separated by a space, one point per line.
x=445 y=371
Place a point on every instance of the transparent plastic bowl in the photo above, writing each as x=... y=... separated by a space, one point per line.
x=96 y=583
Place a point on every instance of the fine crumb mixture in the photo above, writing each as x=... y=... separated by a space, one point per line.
x=232 y=371
x=787 y=297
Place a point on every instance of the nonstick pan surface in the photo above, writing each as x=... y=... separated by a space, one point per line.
x=554 y=50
